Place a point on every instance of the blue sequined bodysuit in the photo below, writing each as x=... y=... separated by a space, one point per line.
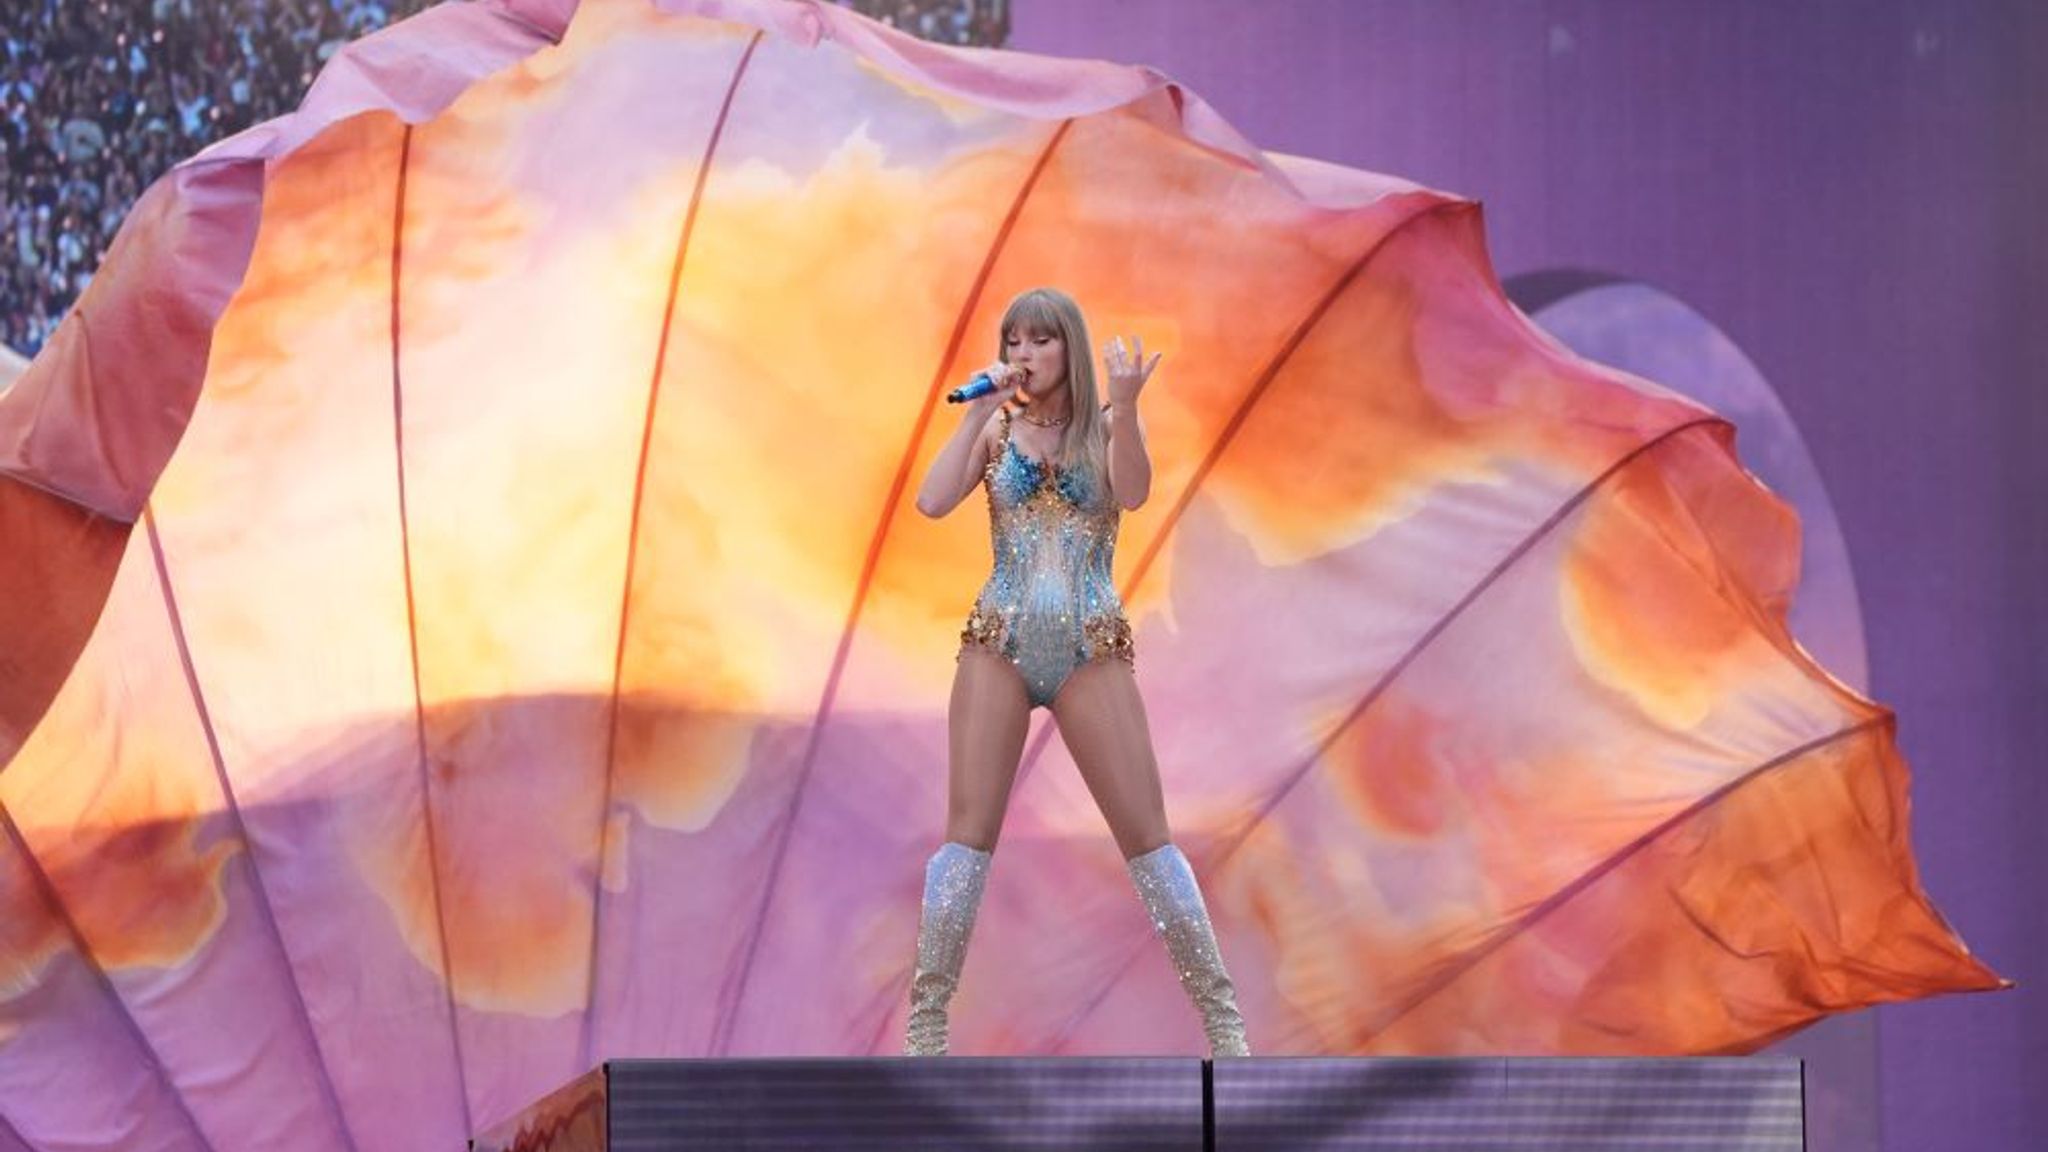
x=1050 y=606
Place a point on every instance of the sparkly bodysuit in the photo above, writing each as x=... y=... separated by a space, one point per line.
x=1050 y=606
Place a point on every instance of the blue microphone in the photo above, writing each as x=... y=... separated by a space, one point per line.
x=981 y=385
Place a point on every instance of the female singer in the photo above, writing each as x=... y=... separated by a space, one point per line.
x=1048 y=630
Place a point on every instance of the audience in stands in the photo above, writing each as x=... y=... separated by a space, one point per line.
x=99 y=97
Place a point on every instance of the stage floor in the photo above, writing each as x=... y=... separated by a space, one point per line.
x=972 y=1104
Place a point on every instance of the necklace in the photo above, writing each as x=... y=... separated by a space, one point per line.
x=1025 y=415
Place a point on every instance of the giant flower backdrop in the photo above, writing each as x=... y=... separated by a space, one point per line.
x=465 y=617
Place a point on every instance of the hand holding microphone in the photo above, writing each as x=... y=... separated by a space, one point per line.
x=995 y=377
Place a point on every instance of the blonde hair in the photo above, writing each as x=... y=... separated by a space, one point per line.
x=1051 y=312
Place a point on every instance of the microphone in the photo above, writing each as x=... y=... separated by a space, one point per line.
x=981 y=385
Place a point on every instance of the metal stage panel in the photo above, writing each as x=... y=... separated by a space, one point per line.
x=1011 y=1104
x=1510 y=1105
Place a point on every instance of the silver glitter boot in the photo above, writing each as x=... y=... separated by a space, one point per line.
x=1166 y=883
x=953 y=883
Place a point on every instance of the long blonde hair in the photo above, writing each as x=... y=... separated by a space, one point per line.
x=1051 y=312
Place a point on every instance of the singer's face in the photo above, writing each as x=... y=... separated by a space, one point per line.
x=1042 y=356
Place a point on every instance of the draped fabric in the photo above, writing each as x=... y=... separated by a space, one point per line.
x=466 y=617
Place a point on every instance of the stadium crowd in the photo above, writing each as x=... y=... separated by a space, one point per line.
x=984 y=23
x=100 y=97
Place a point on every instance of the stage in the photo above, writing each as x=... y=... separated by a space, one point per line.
x=970 y=1104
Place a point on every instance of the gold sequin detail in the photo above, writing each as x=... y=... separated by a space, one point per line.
x=1110 y=635
x=984 y=629
x=1050 y=603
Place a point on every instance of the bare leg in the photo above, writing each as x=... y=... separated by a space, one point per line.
x=987 y=721
x=1102 y=720
x=986 y=724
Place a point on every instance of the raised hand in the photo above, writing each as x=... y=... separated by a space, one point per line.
x=1127 y=368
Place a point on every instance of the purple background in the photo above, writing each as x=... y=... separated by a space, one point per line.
x=1852 y=192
